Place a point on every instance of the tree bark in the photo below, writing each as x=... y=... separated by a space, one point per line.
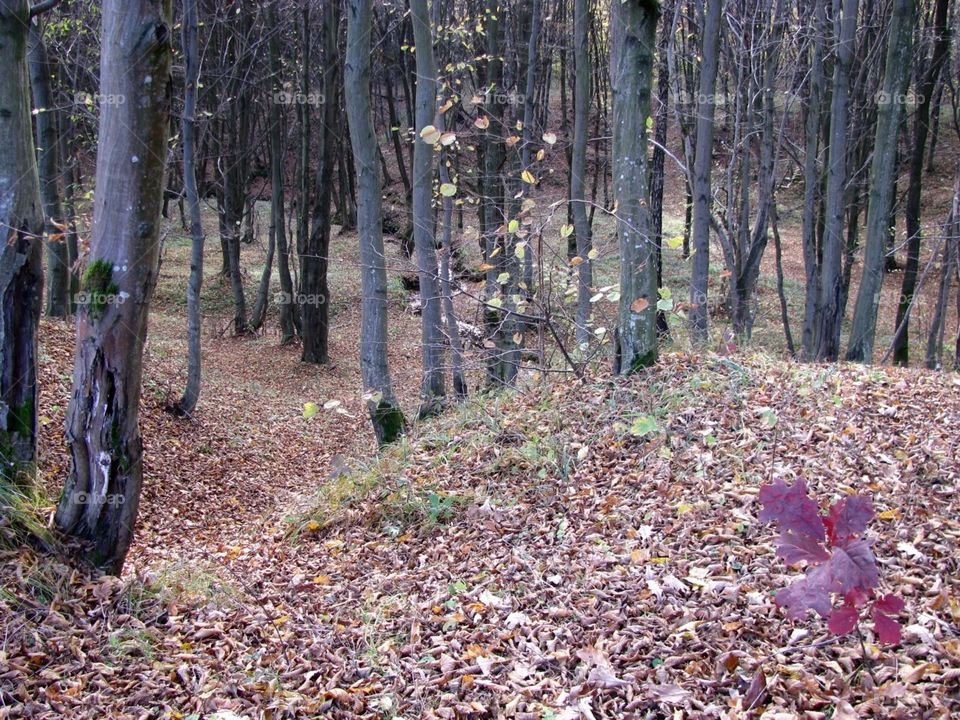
x=102 y=492
x=385 y=414
x=882 y=177
x=21 y=274
x=633 y=31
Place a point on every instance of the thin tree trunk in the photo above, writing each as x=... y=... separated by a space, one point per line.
x=191 y=57
x=828 y=335
x=703 y=165
x=633 y=31
x=811 y=182
x=102 y=492
x=48 y=162
x=432 y=387
x=951 y=229
x=314 y=261
x=901 y=343
x=578 y=164
x=277 y=196
x=388 y=421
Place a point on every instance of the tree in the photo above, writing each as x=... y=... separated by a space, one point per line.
x=21 y=230
x=882 y=178
x=432 y=388
x=578 y=164
x=314 y=288
x=191 y=58
x=633 y=29
x=48 y=161
x=830 y=289
x=941 y=45
x=101 y=495
x=703 y=165
x=385 y=414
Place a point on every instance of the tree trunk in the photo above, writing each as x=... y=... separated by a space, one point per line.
x=578 y=165
x=703 y=165
x=811 y=181
x=941 y=44
x=831 y=313
x=191 y=58
x=951 y=231
x=314 y=288
x=48 y=161
x=882 y=173
x=99 y=502
x=277 y=195
x=633 y=31
x=21 y=274
x=432 y=387
x=385 y=414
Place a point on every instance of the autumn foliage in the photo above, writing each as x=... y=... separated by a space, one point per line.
x=842 y=575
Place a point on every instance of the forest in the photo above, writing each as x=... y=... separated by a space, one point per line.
x=534 y=359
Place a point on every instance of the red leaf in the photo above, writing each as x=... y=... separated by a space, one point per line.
x=843 y=620
x=794 y=547
x=811 y=592
x=791 y=508
x=889 y=604
x=848 y=518
x=854 y=567
x=887 y=629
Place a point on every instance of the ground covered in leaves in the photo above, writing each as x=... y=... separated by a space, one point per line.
x=572 y=551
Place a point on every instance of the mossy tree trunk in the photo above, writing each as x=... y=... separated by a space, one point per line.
x=101 y=495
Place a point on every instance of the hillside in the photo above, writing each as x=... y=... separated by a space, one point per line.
x=577 y=550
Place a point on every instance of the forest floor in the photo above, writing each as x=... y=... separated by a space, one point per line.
x=573 y=550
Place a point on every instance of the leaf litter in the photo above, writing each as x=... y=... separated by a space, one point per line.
x=530 y=557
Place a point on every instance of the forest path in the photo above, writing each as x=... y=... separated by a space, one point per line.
x=248 y=458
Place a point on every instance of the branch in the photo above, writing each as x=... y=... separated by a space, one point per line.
x=42 y=7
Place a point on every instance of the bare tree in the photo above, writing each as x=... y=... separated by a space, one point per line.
x=882 y=179
x=703 y=165
x=385 y=414
x=191 y=57
x=432 y=388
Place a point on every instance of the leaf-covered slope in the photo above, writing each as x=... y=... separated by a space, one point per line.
x=577 y=551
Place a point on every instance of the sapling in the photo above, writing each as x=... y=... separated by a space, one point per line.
x=841 y=575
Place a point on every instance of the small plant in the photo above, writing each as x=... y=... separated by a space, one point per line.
x=840 y=563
